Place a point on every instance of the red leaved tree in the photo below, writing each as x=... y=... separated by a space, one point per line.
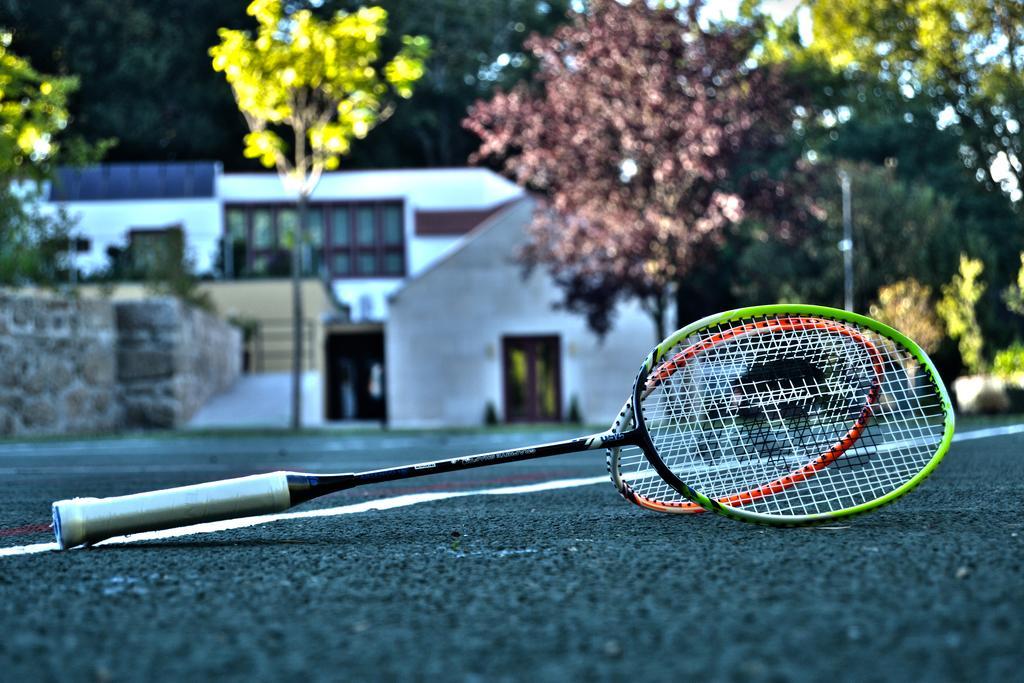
x=630 y=130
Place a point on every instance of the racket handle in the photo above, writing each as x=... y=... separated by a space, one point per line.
x=90 y=520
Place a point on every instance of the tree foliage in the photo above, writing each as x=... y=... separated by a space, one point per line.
x=957 y=310
x=33 y=112
x=143 y=71
x=907 y=305
x=146 y=80
x=1014 y=294
x=32 y=242
x=476 y=47
x=33 y=119
x=322 y=80
x=637 y=118
x=965 y=58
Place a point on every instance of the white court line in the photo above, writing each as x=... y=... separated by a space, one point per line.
x=989 y=432
x=396 y=502
x=383 y=504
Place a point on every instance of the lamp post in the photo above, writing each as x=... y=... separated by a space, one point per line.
x=846 y=244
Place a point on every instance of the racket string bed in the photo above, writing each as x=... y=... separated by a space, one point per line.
x=771 y=400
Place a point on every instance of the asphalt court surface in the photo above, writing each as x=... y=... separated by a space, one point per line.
x=567 y=582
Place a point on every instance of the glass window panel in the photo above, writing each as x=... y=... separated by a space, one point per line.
x=315 y=226
x=517 y=379
x=236 y=225
x=391 y=222
x=365 y=233
x=316 y=263
x=393 y=263
x=547 y=383
x=262 y=229
x=260 y=264
x=287 y=223
x=341 y=265
x=340 y=229
x=367 y=263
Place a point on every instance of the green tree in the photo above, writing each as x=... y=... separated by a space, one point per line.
x=33 y=115
x=901 y=230
x=907 y=306
x=325 y=82
x=476 y=48
x=964 y=58
x=957 y=310
x=862 y=113
x=144 y=74
x=32 y=243
x=1014 y=294
x=130 y=55
x=33 y=112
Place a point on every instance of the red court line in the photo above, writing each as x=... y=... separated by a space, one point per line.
x=27 y=529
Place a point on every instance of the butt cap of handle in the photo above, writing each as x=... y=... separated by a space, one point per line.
x=80 y=521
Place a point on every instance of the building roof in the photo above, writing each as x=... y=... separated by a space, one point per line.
x=148 y=180
x=455 y=221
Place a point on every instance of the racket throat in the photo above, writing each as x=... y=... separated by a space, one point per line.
x=304 y=487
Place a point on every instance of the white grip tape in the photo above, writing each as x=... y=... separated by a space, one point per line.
x=89 y=520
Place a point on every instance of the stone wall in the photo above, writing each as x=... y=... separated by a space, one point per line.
x=57 y=366
x=76 y=366
x=170 y=359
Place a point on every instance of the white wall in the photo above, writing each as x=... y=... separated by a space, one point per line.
x=106 y=223
x=440 y=188
x=419 y=189
x=444 y=335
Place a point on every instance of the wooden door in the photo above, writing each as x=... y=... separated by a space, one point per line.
x=532 y=375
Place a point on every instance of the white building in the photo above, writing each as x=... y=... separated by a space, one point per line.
x=420 y=263
x=371 y=229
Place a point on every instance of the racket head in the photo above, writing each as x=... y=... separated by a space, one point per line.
x=791 y=414
x=636 y=479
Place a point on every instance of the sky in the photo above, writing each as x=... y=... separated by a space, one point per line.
x=777 y=9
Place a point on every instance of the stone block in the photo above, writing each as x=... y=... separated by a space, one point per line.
x=152 y=413
x=97 y=365
x=135 y=364
x=39 y=414
x=78 y=404
x=8 y=423
x=22 y=314
x=152 y=314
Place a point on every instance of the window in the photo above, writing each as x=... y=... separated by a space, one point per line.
x=359 y=239
x=532 y=378
x=153 y=249
x=366 y=240
x=313 y=256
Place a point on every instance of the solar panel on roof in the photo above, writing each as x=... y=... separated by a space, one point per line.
x=171 y=180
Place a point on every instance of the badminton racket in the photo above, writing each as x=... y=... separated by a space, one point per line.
x=777 y=414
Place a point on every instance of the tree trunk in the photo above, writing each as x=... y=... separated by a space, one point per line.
x=297 y=323
x=655 y=307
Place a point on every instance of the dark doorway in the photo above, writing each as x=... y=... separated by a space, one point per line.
x=355 y=376
x=532 y=370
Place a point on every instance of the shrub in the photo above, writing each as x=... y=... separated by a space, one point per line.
x=907 y=305
x=1009 y=363
x=957 y=309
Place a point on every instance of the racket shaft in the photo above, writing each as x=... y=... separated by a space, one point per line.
x=90 y=520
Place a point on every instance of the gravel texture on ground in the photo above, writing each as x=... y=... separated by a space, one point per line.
x=543 y=586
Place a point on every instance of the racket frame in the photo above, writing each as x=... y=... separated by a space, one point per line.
x=659 y=353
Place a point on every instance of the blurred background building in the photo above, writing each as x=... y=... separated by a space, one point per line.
x=417 y=311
